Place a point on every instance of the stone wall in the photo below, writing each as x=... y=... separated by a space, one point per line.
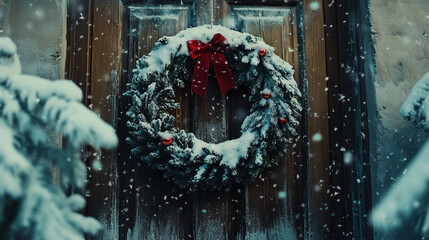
x=401 y=42
x=38 y=29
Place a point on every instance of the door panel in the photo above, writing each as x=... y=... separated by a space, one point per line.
x=274 y=25
x=154 y=22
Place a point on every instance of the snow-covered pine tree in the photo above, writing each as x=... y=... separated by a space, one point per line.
x=32 y=110
x=410 y=195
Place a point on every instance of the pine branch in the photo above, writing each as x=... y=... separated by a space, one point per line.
x=33 y=111
x=409 y=197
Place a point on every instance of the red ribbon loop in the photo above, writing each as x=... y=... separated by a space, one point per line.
x=204 y=53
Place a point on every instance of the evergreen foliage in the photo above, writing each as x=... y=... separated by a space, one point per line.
x=188 y=161
x=33 y=113
x=409 y=197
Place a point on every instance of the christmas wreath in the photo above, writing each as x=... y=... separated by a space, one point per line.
x=237 y=59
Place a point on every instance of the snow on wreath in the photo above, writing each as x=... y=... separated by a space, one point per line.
x=237 y=59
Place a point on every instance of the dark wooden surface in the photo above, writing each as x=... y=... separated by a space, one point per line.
x=318 y=204
x=357 y=75
x=157 y=209
x=105 y=37
x=104 y=93
x=93 y=62
x=335 y=126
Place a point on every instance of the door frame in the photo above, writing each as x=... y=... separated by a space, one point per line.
x=355 y=121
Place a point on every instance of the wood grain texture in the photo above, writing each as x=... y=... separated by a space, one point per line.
x=357 y=75
x=104 y=90
x=210 y=124
x=319 y=202
x=78 y=45
x=159 y=206
x=93 y=63
x=295 y=157
x=238 y=106
x=339 y=212
x=268 y=216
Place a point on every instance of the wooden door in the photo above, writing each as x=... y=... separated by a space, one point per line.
x=256 y=211
x=289 y=201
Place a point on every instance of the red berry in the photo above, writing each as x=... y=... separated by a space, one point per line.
x=282 y=121
x=167 y=141
x=262 y=52
x=266 y=95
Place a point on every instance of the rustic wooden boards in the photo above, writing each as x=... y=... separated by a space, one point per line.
x=269 y=201
x=94 y=45
x=318 y=203
x=157 y=208
x=287 y=201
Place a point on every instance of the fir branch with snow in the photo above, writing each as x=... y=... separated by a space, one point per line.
x=409 y=198
x=416 y=106
x=33 y=109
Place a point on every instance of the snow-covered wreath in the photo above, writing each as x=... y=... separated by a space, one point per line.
x=237 y=58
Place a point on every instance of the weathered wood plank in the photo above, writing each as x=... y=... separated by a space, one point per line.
x=356 y=78
x=339 y=218
x=319 y=202
x=211 y=207
x=126 y=168
x=210 y=124
x=78 y=42
x=296 y=156
x=104 y=90
x=268 y=204
x=159 y=208
x=238 y=109
x=221 y=12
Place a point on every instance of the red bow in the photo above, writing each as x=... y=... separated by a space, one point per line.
x=203 y=52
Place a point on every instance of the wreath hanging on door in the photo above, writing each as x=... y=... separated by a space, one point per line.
x=237 y=59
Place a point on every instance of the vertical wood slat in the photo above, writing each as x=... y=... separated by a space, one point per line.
x=159 y=208
x=267 y=213
x=126 y=167
x=78 y=44
x=211 y=207
x=295 y=157
x=356 y=85
x=87 y=62
x=339 y=214
x=105 y=65
x=367 y=103
x=319 y=202
x=238 y=107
